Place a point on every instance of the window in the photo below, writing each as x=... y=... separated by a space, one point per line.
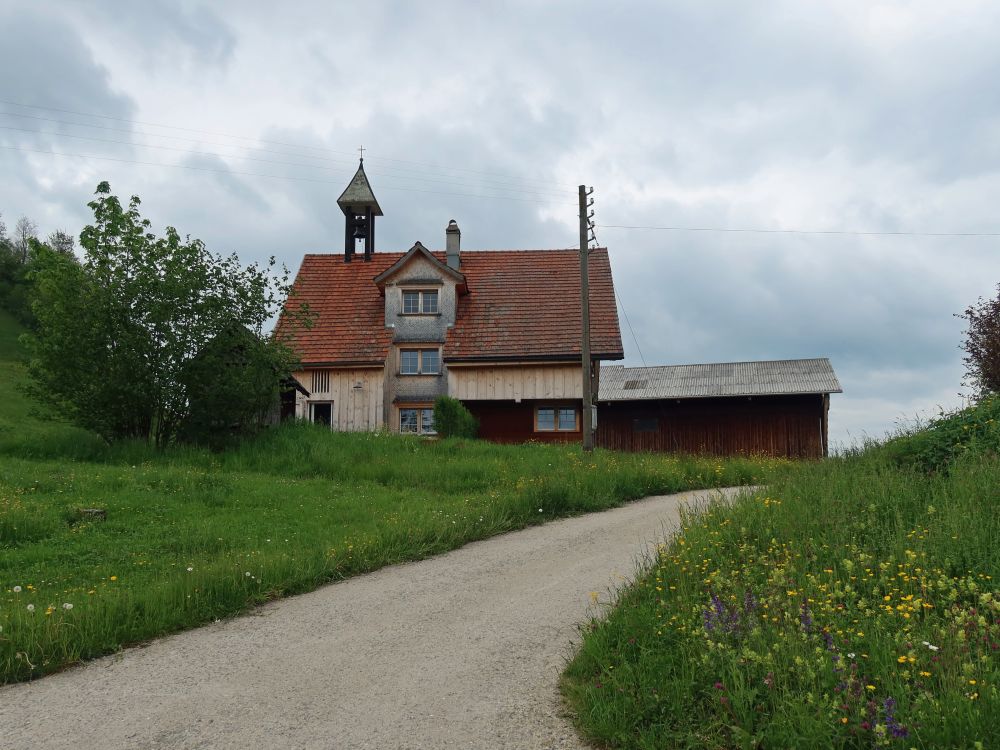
x=646 y=424
x=417 y=420
x=420 y=302
x=419 y=362
x=557 y=419
x=321 y=381
x=321 y=412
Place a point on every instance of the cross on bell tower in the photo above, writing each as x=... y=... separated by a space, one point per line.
x=360 y=209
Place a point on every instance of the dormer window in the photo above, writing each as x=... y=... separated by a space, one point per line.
x=420 y=302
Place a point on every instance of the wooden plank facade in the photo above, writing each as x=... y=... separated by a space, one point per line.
x=510 y=422
x=793 y=426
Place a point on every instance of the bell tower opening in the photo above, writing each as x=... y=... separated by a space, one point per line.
x=360 y=209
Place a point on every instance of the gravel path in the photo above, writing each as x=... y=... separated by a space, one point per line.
x=463 y=650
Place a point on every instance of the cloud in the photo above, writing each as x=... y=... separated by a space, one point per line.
x=780 y=115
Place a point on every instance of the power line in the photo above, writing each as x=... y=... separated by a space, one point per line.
x=269 y=176
x=251 y=139
x=805 y=231
x=629 y=324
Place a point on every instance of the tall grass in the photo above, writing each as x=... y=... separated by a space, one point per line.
x=190 y=535
x=852 y=603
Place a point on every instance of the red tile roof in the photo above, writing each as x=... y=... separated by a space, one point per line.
x=521 y=305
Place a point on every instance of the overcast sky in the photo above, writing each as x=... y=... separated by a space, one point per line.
x=853 y=115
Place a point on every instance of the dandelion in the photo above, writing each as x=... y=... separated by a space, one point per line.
x=17 y=589
x=113 y=578
x=247 y=574
x=67 y=606
x=31 y=607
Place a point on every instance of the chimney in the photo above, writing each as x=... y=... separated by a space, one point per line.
x=453 y=240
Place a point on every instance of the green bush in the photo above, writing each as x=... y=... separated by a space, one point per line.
x=452 y=419
x=972 y=431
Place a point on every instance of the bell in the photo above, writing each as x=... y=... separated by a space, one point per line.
x=359 y=232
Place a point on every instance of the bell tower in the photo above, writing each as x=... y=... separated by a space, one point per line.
x=360 y=209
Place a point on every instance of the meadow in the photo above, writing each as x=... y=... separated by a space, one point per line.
x=853 y=603
x=191 y=536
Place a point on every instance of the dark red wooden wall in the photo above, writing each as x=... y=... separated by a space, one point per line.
x=508 y=422
x=792 y=426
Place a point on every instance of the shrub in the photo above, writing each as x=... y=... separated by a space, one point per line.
x=452 y=419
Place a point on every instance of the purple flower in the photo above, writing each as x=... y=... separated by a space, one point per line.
x=805 y=617
x=895 y=728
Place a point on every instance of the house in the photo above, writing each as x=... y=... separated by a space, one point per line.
x=499 y=330
x=778 y=408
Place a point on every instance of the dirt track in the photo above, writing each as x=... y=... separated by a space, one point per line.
x=459 y=651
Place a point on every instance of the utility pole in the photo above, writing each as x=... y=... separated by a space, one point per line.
x=588 y=396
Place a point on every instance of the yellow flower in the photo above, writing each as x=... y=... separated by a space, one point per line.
x=114 y=578
x=869 y=687
x=901 y=660
x=843 y=720
x=972 y=682
x=925 y=674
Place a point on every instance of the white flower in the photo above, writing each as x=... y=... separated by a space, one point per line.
x=247 y=574
x=17 y=589
x=67 y=606
x=190 y=569
x=931 y=646
x=850 y=656
x=539 y=510
x=31 y=607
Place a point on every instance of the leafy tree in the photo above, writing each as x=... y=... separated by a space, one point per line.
x=119 y=336
x=61 y=241
x=24 y=232
x=14 y=265
x=982 y=345
x=452 y=419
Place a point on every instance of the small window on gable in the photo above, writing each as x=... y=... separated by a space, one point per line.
x=420 y=302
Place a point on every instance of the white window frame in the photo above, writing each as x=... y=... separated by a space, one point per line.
x=423 y=296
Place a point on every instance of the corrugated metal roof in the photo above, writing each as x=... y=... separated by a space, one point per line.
x=779 y=377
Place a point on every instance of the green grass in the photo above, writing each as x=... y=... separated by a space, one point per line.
x=191 y=536
x=852 y=604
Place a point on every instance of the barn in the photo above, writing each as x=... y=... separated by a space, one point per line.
x=777 y=408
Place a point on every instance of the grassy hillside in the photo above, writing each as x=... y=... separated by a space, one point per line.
x=853 y=604
x=191 y=536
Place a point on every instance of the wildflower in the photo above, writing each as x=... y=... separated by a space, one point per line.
x=925 y=674
x=113 y=578
x=247 y=574
x=850 y=656
x=17 y=589
x=190 y=569
x=67 y=606
x=539 y=510
x=869 y=687
x=31 y=607
x=719 y=686
x=901 y=660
